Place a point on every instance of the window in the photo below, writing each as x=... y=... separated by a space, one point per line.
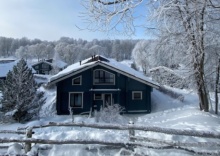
x=36 y=67
x=103 y=77
x=44 y=65
x=97 y=96
x=76 y=100
x=76 y=81
x=137 y=95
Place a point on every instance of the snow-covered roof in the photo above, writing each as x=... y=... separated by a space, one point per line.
x=42 y=61
x=59 y=63
x=6 y=67
x=56 y=63
x=105 y=62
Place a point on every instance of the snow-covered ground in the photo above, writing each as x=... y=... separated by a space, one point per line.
x=166 y=113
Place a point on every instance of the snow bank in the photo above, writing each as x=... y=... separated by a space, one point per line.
x=15 y=149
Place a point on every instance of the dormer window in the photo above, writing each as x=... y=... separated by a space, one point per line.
x=77 y=81
x=103 y=77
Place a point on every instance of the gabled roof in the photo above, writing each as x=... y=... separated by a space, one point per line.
x=6 y=67
x=51 y=62
x=107 y=63
x=42 y=61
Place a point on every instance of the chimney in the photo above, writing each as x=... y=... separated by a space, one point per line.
x=79 y=62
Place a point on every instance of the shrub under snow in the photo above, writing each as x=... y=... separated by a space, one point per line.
x=110 y=114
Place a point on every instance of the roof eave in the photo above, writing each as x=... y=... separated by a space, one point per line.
x=107 y=66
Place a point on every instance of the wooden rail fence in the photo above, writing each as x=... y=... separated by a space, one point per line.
x=132 y=142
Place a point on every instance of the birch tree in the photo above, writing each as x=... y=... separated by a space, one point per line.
x=186 y=23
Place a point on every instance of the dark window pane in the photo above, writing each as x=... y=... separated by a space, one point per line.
x=71 y=100
x=103 y=77
x=97 y=74
x=101 y=74
x=137 y=96
x=76 y=99
x=76 y=80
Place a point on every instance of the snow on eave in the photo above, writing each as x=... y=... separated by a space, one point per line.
x=130 y=72
x=42 y=62
x=112 y=65
x=70 y=71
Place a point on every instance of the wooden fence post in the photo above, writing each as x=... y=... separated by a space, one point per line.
x=28 y=135
x=131 y=131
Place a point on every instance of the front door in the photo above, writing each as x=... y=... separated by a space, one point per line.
x=107 y=99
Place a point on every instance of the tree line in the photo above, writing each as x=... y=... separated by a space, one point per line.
x=70 y=50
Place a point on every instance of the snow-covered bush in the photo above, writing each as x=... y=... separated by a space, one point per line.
x=167 y=76
x=15 y=149
x=110 y=114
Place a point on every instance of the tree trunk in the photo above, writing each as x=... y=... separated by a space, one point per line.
x=216 y=87
x=201 y=88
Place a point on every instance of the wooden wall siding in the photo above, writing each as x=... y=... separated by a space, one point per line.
x=122 y=97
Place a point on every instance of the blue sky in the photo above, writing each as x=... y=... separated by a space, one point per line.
x=47 y=20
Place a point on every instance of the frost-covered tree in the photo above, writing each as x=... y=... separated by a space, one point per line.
x=188 y=25
x=22 y=52
x=143 y=54
x=20 y=98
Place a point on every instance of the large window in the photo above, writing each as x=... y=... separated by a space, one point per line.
x=103 y=77
x=76 y=100
x=137 y=95
x=76 y=81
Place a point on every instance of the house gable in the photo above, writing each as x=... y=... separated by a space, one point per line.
x=154 y=85
x=43 y=67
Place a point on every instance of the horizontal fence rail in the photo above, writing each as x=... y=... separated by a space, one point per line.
x=12 y=132
x=135 y=127
x=132 y=142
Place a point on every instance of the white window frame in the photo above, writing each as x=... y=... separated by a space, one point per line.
x=133 y=92
x=75 y=93
x=76 y=78
x=102 y=83
x=98 y=99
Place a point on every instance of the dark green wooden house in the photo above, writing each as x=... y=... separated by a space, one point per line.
x=45 y=66
x=95 y=82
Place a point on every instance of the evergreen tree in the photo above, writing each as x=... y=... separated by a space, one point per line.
x=20 y=98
